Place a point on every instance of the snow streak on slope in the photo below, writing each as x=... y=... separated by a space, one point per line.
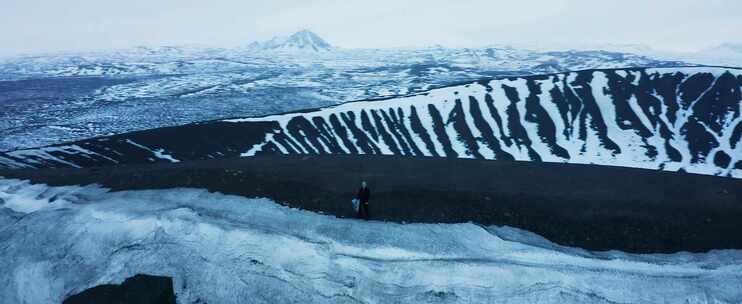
x=656 y=118
x=57 y=241
x=669 y=119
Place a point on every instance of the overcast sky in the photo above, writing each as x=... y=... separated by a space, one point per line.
x=33 y=26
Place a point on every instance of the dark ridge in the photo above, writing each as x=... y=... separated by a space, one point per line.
x=420 y=130
x=439 y=128
x=488 y=136
x=621 y=91
x=672 y=153
x=139 y=289
x=666 y=87
x=399 y=123
x=592 y=207
x=736 y=137
x=457 y=118
x=384 y=134
x=722 y=160
x=366 y=125
x=651 y=106
x=700 y=141
x=572 y=108
x=545 y=127
x=284 y=140
x=694 y=87
x=591 y=107
x=722 y=104
x=325 y=135
x=299 y=127
x=498 y=119
x=391 y=123
x=361 y=138
x=343 y=133
x=517 y=131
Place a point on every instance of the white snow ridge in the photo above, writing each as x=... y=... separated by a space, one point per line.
x=58 y=241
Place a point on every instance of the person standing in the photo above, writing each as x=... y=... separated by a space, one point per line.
x=364 y=194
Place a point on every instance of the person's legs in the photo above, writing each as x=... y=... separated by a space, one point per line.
x=365 y=211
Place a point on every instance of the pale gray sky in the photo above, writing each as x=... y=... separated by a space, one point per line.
x=33 y=26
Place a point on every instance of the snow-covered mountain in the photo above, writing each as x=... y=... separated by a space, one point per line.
x=658 y=118
x=301 y=41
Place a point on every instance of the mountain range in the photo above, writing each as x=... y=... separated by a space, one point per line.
x=55 y=98
x=307 y=48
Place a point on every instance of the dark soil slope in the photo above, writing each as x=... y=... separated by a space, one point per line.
x=593 y=207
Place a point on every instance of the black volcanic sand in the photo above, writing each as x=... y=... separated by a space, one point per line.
x=593 y=207
x=140 y=289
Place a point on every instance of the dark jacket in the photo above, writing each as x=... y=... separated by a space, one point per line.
x=363 y=195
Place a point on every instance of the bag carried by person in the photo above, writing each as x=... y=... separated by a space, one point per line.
x=355 y=203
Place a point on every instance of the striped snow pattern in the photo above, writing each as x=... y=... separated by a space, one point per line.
x=665 y=118
x=656 y=119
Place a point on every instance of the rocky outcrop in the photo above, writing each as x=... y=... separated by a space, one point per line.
x=140 y=289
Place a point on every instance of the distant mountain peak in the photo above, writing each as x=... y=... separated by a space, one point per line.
x=303 y=41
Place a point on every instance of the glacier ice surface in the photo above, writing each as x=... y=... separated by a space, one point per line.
x=58 y=241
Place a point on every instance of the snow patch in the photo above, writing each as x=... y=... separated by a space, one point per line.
x=159 y=153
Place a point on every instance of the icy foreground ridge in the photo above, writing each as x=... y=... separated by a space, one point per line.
x=665 y=118
x=58 y=241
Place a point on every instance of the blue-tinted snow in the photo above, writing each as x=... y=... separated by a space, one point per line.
x=57 y=241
